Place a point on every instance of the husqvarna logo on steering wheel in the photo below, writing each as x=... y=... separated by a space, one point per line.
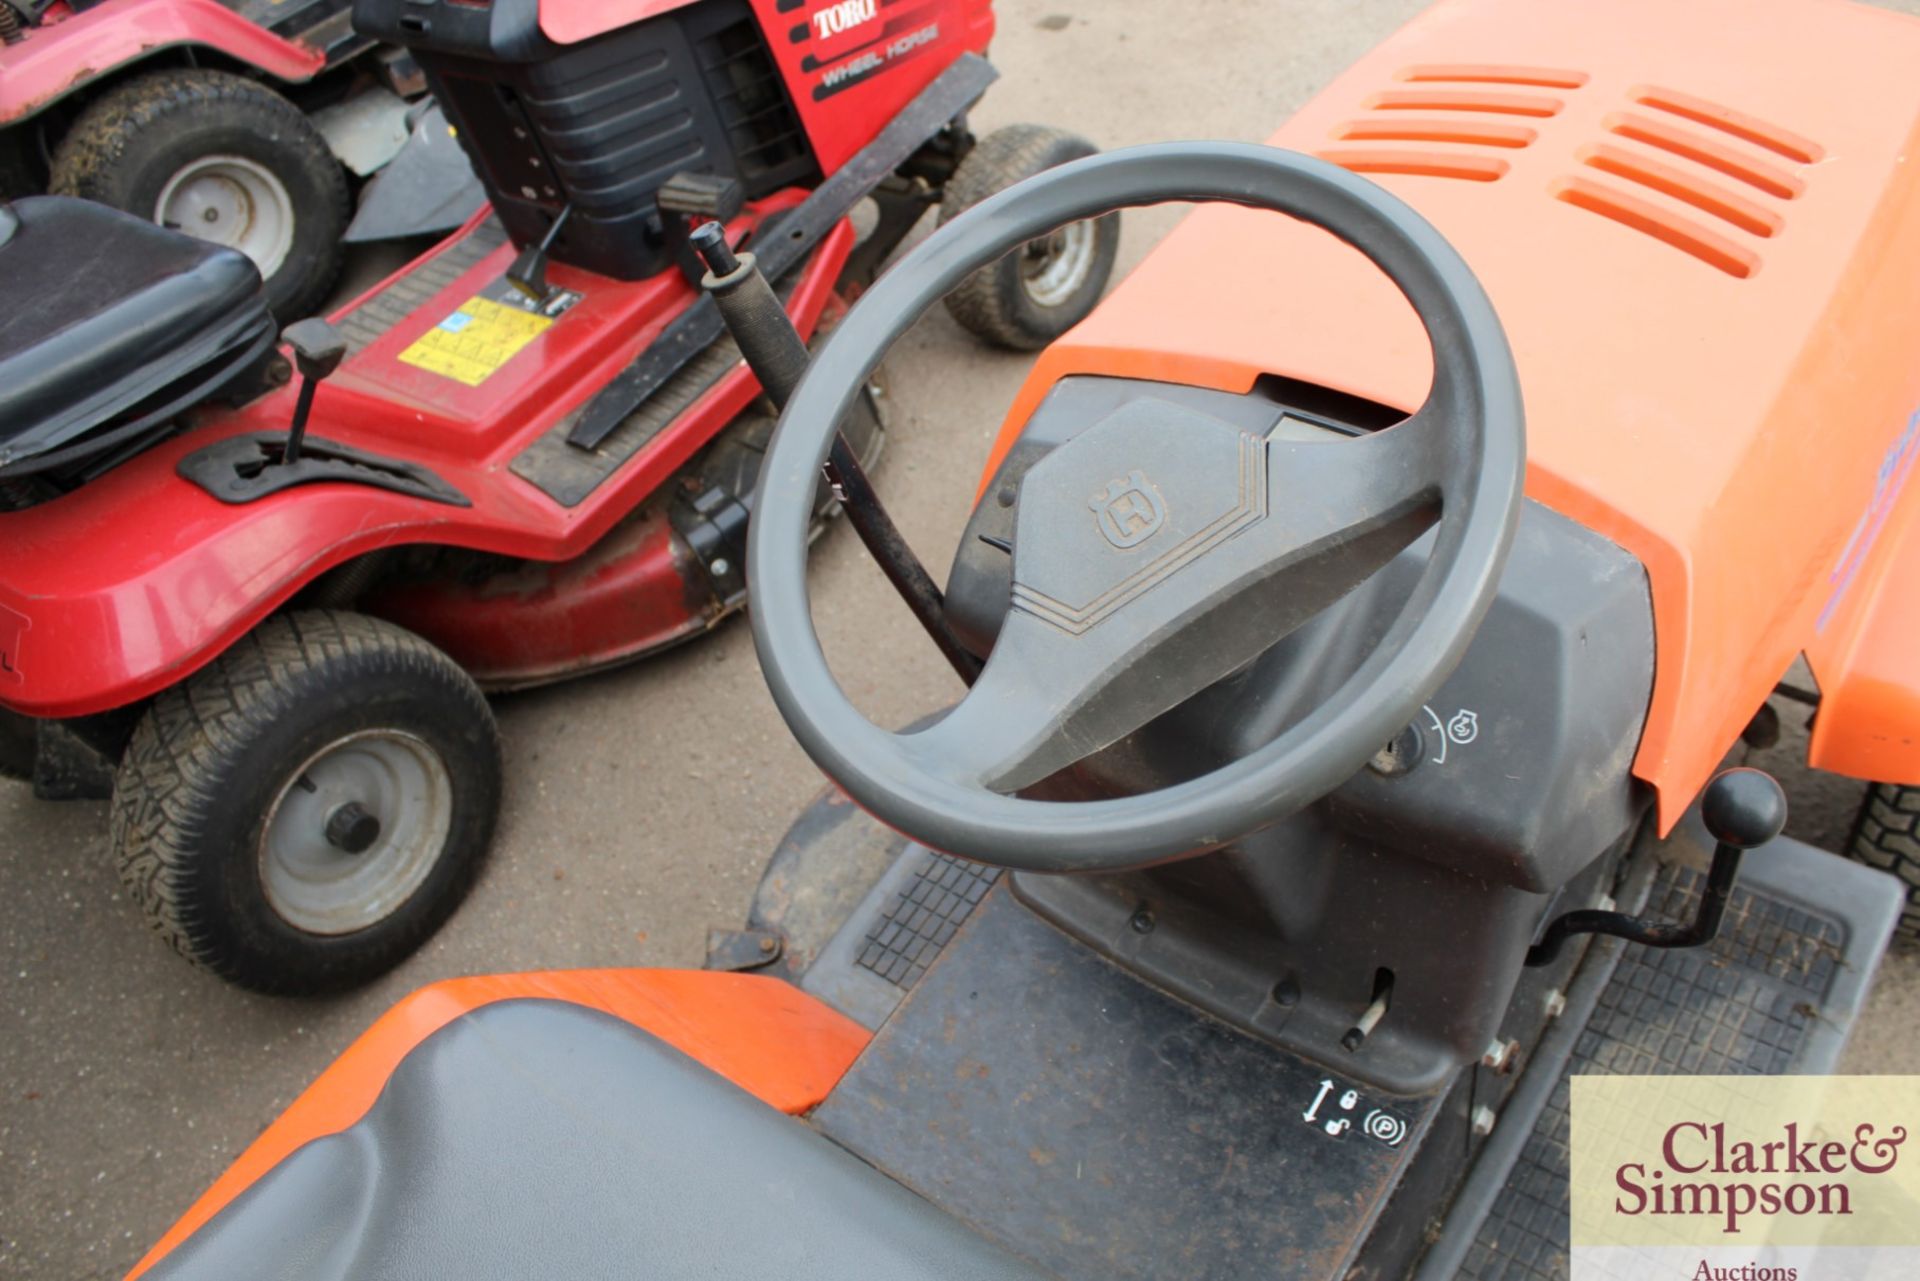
x=1131 y=510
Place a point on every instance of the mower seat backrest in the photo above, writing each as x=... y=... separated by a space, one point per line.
x=103 y=313
x=538 y=1138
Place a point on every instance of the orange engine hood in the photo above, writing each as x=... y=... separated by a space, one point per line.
x=1700 y=223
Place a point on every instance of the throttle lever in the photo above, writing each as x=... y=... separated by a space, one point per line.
x=1742 y=808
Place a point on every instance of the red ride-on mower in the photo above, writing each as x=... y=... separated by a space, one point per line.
x=261 y=617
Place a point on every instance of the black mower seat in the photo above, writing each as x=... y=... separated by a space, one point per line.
x=109 y=315
x=536 y=1138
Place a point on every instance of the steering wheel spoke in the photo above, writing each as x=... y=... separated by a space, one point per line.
x=1159 y=551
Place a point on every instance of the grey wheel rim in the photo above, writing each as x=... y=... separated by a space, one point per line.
x=231 y=201
x=319 y=871
x=1055 y=267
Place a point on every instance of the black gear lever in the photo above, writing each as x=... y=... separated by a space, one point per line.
x=1742 y=808
x=318 y=349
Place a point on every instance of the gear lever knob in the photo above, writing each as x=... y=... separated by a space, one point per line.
x=318 y=349
x=1744 y=808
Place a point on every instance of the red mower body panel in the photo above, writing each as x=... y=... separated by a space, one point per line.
x=1705 y=265
x=635 y=591
x=830 y=54
x=67 y=53
x=143 y=576
x=571 y=21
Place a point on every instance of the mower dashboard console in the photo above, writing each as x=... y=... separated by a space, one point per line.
x=596 y=127
x=1516 y=772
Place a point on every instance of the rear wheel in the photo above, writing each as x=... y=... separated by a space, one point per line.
x=221 y=158
x=1886 y=835
x=1046 y=287
x=308 y=809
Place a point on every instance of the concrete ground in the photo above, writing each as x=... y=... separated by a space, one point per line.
x=640 y=804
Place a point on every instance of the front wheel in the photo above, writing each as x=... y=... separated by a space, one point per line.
x=1886 y=835
x=307 y=810
x=1047 y=286
x=223 y=159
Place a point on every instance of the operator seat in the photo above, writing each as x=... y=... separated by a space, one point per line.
x=112 y=325
x=537 y=1138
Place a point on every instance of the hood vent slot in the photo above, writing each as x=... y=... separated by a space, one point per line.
x=1479 y=73
x=1504 y=104
x=1702 y=150
x=1426 y=164
x=1681 y=232
x=1435 y=129
x=1727 y=120
x=1715 y=199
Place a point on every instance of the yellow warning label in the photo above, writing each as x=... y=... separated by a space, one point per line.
x=472 y=343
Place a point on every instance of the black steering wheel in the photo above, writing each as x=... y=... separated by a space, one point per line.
x=1160 y=549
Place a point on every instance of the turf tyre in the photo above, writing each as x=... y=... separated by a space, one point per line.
x=999 y=303
x=133 y=141
x=212 y=761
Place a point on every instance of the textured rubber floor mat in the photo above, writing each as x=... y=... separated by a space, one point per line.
x=569 y=475
x=923 y=916
x=1745 y=1006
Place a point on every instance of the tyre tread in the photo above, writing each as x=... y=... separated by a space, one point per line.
x=998 y=160
x=109 y=131
x=1886 y=835
x=194 y=734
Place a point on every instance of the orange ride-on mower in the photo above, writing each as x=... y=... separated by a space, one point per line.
x=1344 y=760
x=260 y=612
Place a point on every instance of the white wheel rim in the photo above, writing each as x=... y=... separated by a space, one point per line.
x=1053 y=268
x=316 y=885
x=231 y=201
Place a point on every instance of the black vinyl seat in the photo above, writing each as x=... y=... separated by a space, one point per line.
x=536 y=1138
x=110 y=325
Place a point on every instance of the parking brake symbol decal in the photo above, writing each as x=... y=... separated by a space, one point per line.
x=1333 y=1110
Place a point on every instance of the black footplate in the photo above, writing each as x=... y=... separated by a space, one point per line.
x=1093 y=1125
x=1774 y=995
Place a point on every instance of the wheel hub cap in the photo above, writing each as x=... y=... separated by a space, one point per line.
x=1055 y=266
x=231 y=201
x=355 y=831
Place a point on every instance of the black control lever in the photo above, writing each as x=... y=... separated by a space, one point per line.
x=778 y=357
x=318 y=349
x=689 y=200
x=1742 y=808
x=528 y=274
